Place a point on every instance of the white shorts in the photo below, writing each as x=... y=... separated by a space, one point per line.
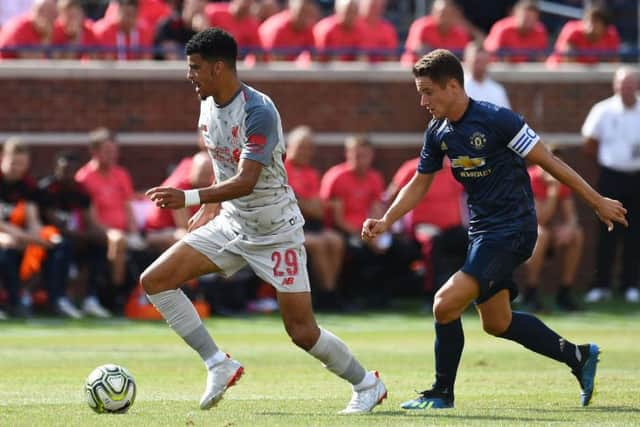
x=279 y=260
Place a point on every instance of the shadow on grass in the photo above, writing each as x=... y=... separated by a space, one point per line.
x=432 y=414
x=608 y=409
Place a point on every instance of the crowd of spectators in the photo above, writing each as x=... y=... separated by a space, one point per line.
x=303 y=30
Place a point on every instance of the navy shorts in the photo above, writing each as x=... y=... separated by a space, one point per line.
x=492 y=259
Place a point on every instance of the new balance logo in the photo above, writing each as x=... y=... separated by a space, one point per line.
x=288 y=281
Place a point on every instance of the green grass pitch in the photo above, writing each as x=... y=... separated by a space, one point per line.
x=43 y=364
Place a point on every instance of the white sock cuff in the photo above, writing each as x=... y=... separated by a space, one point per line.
x=333 y=353
x=177 y=310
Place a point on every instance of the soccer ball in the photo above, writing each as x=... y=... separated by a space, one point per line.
x=110 y=389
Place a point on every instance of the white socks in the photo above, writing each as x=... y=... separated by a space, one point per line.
x=183 y=318
x=337 y=357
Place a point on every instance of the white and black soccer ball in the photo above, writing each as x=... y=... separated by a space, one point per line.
x=110 y=389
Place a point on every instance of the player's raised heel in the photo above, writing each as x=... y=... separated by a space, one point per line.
x=429 y=399
x=220 y=377
x=363 y=401
x=586 y=373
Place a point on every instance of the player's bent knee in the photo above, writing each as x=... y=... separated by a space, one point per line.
x=304 y=336
x=496 y=327
x=444 y=312
x=150 y=282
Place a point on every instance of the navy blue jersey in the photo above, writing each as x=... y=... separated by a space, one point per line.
x=486 y=147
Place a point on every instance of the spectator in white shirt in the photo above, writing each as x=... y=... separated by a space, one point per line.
x=477 y=82
x=612 y=135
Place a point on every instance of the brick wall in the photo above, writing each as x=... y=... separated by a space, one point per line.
x=365 y=102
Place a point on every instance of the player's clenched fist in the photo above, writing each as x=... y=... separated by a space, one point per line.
x=372 y=228
x=166 y=197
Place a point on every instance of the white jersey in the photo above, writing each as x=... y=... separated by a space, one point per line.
x=249 y=127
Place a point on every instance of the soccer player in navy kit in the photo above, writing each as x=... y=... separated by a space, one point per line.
x=487 y=146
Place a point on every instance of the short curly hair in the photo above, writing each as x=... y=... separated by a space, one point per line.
x=214 y=44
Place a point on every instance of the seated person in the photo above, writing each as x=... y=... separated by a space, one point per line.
x=520 y=37
x=380 y=40
x=164 y=227
x=65 y=205
x=437 y=223
x=125 y=37
x=110 y=188
x=73 y=35
x=558 y=230
x=288 y=35
x=26 y=247
x=174 y=31
x=325 y=246
x=353 y=190
x=235 y=17
x=28 y=36
x=340 y=36
x=150 y=12
x=441 y=29
x=588 y=41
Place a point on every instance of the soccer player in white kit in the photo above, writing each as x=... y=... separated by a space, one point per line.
x=259 y=224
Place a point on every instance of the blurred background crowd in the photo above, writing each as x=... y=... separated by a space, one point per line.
x=322 y=30
x=74 y=239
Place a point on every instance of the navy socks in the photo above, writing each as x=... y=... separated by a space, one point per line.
x=448 y=350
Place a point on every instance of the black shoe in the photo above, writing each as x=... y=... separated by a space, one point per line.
x=430 y=399
x=565 y=302
x=585 y=373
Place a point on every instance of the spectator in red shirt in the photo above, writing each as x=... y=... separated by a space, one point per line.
x=264 y=9
x=325 y=246
x=164 y=227
x=149 y=11
x=123 y=36
x=340 y=36
x=436 y=223
x=288 y=35
x=111 y=192
x=520 y=37
x=559 y=233
x=235 y=17
x=441 y=29
x=28 y=36
x=589 y=41
x=174 y=31
x=380 y=38
x=73 y=35
x=353 y=190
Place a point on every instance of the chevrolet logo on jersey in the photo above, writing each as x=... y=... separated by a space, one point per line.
x=467 y=162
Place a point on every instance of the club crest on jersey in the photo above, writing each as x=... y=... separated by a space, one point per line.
x=467 y=163
x=478 y=140
x=443 y=146
x=234 y=135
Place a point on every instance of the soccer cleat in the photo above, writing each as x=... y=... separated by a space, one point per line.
x=363 y=401
x=597 y=295
x=586 y=372
x=430 y=399
x=91 y=306
x=65 y=308
x=219 y=378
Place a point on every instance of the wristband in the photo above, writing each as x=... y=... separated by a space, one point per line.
x=191 y=198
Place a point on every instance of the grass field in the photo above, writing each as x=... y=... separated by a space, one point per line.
x=43 y=364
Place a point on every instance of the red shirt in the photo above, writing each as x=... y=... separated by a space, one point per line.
x=572 y=37
x=19 y=32
x=441 y=206
x=330 y=35
x=304 y=180
x=244 y=30
x=380 y=39
x=504 y=35
x=158 y=219
x=110 y=194
x=539 y=186
x=149 y=11
x=277 y=33
x=133 y=45
x=357 y=193
x=424 y=36
x=88 y=40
